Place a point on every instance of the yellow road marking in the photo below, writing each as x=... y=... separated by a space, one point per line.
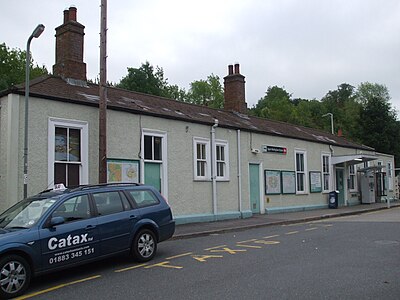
x=164 y=264
x=252 y=240
x=249 y=246
x=230 y=251
x=203 y=258
x=216 y=247
x=179 y=255
x=267 y=242
x=57 y=287
x=313 y=228
x=292 y=232
x=130 y=268
x=271 y=236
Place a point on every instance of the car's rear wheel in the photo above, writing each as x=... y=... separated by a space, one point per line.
x=15 y=275
x=144 y=245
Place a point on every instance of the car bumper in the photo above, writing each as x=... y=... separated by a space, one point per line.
x=167 y=231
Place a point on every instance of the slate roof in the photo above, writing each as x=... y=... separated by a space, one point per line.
x=57 y=89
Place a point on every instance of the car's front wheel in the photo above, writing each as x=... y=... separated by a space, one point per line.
x=144 y=245
x=15 y=275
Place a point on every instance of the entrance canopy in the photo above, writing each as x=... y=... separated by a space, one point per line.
x=352 y=159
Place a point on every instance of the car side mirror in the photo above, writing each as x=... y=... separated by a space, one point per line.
x=56 y=221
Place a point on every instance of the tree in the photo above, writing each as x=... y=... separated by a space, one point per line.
x=345 y=109
x=378 y=120
x=145 y=79
x=12 y=67
x=275 y=105
x=207 y=92
x=367 y=91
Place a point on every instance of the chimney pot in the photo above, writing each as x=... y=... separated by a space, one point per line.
x=237 y=69
x=69 y=47
x=72 y=13
x=66 y=16
x=234 y=90
x=230 y=69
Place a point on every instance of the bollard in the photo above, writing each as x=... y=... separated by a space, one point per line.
x=388 y=202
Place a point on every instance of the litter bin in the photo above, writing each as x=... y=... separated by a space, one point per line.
x=333 y=199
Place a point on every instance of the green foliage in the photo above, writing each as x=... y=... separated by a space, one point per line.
x=150 y=80
x=275 y=105
x=145 y=79
x=379 y=125
x=367 y=91
x=345 y=109
x=207 y=92
x=12 y=67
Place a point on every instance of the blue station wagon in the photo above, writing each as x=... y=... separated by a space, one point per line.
x=62 y=228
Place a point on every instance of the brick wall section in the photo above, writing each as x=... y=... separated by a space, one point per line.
x=69 y=48
x=234 y=94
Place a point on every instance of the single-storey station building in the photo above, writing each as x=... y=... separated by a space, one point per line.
x=211 y=164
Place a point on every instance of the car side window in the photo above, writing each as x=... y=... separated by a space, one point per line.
x=144 y=198
x=76 y=208
x=108 y=203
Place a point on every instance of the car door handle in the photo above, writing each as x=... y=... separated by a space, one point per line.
x=132 y=217
x=89 y=227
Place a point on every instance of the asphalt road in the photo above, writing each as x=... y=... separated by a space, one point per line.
x=355 y=257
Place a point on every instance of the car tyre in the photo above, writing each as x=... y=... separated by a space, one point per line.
x=15 y=276
x=144 y=245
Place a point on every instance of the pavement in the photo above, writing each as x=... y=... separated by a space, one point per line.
x=262 y=220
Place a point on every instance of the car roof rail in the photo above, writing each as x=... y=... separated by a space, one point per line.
x=91 y=186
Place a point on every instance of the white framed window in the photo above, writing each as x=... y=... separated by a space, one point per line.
x=352 y=178
x=301 y=171
x=390 y=176
x=153 y=147
x=326 y=173
x=201 y=159
x=67 y=152
x=222 y=160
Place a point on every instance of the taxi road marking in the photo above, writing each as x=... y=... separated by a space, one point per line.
x=179 y=255
x=228 y=250
x=292 y=232
x=57 y=287
x=249 y=246
x=271 y=236
x=164 y=264
x=130 y=268
x=203 y=258
x=216 y=247
x=312 y=228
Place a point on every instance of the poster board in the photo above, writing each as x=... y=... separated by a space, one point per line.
x=315 y=182
x=288 y=182
x=122 y=170
x=272 y=182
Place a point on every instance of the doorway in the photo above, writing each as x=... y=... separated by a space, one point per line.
x=254 y=174
x=340 y=186
x=152 y=175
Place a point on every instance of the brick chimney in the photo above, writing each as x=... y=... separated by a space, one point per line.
x=69 y=48
x=234 y=94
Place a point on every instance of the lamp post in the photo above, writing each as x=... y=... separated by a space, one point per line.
x=331 y=115
x=35 y=34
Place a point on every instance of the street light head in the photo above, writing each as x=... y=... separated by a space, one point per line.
x=327 y=114
x=38 y=31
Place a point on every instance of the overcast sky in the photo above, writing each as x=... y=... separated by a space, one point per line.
x=307 y=47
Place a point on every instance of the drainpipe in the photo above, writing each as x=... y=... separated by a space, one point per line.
x=239 y=175
x=214 y=167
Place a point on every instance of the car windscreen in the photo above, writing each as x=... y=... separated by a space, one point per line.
x=25 y=213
